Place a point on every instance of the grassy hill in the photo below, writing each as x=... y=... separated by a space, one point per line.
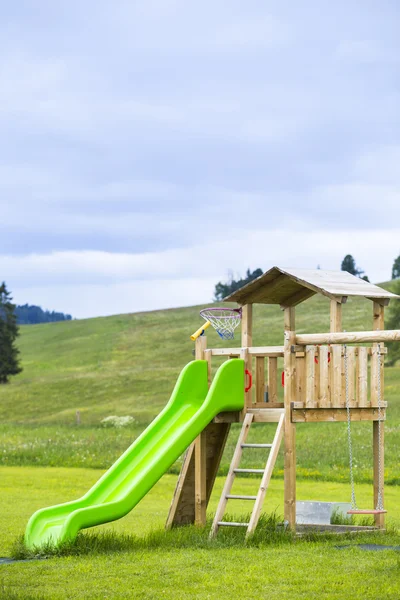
x=128 y=364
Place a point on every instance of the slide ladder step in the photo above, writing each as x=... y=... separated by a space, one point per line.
x=248 y=470
x=256 y=445
x=236 y=497
x=232 y=524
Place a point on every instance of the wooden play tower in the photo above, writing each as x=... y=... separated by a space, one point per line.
x=335 y=376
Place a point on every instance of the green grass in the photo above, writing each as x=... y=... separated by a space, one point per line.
x=128 y=364
x=135 y=558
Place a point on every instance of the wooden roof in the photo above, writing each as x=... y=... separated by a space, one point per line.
x=289 y=287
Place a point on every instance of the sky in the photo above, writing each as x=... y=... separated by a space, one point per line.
x=150 y=149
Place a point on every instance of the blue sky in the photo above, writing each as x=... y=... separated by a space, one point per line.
x=149 y=148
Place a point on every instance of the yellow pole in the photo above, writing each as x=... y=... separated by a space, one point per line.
x=200 y=331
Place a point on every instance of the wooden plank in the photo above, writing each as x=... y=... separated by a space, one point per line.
x=316 y=375
x=266 y=351
x=301 y=379
x=255 y=515
x=351 y=367
x=290 y=428
x=266 y=415
x=231 y=474
x=353 y=337
x=362 y=377
x=272 y=380
x=310 y=377
x=319 y=415
x=378 y=446
x=181 y=511
x=260 y=379
x=336 y=389
x=323 y=398
x=374 y=377
x=200 y=479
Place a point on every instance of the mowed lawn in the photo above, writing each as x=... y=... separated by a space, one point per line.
x=127 y=365
x=159 y=567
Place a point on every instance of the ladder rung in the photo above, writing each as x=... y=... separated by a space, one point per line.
x=232 y=524
x=256 y=445
x=236 y=497
x=248 y=470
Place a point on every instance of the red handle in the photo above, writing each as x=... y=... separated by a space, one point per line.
x=246 y=389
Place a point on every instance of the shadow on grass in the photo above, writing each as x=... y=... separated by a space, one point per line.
x=270 y=532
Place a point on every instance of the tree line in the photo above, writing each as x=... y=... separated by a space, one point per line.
x=31 y=315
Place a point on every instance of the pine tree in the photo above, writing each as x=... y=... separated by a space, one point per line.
x=349 y=265
x=9 y=362
x=396 y=268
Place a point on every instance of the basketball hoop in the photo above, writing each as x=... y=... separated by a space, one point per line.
x=224 y=320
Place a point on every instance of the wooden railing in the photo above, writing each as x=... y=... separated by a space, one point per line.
x=262 y=362
x=321 y=381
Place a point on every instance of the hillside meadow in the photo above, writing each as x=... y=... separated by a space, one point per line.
x=127 y=365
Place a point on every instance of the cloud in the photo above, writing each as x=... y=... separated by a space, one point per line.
x=170 y=141
x=196 y=268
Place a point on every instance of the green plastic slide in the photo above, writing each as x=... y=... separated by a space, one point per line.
x=191 y=407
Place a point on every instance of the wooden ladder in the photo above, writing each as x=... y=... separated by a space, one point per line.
x=234 y=468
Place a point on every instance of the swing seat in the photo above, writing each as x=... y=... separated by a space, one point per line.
x=371 y=511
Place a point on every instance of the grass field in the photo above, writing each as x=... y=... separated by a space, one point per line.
x=135 y=558
x=127 y=365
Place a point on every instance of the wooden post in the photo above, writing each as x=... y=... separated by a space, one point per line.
x=290 y=428
x=200 y=453
x=378 y=449
x=247 y=342
x=336 y=356
x=247 y=325
x=336 y=316
x=201 y=479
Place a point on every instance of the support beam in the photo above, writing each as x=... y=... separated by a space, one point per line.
x=247 y=325
x=247 y=341
x=378 y=427
x=290 y=428
x=349 y=337
x=335 y=316
x=200 y=477
x=200 y=448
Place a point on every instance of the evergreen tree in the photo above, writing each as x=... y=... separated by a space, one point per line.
x=349 y=265
x=393 y=322
x=9 y=362
x=396 y=268
x=224 y=289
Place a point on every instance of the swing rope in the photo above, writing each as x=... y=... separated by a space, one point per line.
x=379 y=504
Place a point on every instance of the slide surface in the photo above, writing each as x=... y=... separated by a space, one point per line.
x=191 y=407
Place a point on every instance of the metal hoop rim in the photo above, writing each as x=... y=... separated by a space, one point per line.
x=219 y=309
